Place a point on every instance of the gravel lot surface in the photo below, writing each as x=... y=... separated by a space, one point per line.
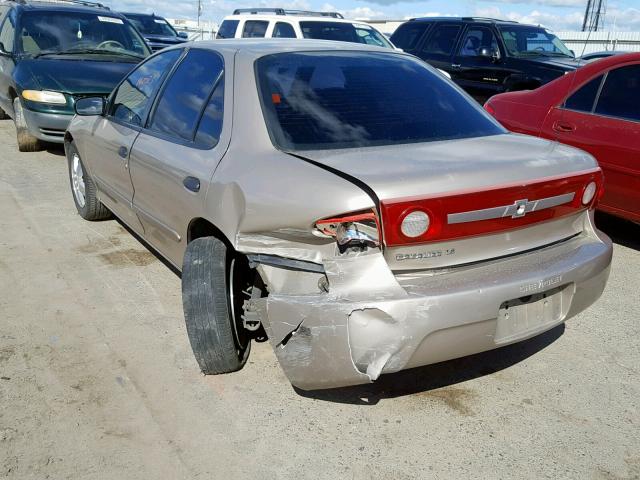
x=98 y=380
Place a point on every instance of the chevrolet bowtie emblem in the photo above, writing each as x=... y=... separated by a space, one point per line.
x=518 y=209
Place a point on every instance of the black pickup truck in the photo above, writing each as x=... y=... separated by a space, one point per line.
x=487 y=56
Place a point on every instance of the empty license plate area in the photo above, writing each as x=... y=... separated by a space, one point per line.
x=523 y=316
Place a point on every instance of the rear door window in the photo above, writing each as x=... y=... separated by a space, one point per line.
x=254 y=29
x=620 y=95
x=283 y=30
x=408 y=35
x=227 y=29
x=210 y=126
x=186 y=94
x=442 y=40
x=476 y=39
x=584 y=98
x=135 y=94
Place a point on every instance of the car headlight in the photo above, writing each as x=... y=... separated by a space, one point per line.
x=44 y=96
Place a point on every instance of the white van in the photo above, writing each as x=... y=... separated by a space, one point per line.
x=282 y=23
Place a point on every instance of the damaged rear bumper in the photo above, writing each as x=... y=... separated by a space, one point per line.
x=372 y=321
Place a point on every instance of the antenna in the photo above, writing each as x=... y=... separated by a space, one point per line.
x=594 y=15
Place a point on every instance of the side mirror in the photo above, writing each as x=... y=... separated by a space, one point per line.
x=184 y=35
x=573 y=53
x=486 y=52
x=91 y=106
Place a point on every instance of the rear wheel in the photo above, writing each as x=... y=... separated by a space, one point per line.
x=26 y=141
x=83 y=188
x=215 y=284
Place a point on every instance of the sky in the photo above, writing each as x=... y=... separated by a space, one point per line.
x=558 y=15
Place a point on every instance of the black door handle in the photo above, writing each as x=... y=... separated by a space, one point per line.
x=192 y=184
x=123 y=152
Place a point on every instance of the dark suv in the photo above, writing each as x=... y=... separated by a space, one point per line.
x=487 y=56
x=156 y=30
x=51 y=54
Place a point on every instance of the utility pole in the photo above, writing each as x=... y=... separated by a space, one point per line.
x=593 y=15
x=199 y=11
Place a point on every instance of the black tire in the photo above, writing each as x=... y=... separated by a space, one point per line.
x=93 y=209
x=215 y=333
x=26 y=141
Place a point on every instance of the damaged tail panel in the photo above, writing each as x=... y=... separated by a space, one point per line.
x=373 y=321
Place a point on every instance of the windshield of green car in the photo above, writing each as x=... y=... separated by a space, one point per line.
x=152 y=25
x=522 y=41
x=344 y=32
x=52 y=33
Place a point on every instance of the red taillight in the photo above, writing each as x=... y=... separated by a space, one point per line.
x=489 y=108
x=469 y=213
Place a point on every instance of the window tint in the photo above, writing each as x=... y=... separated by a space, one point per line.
x=227 y=29
x=343 y=32
x=583 y=99
x=254 y=29
x=283 y=30
x=442 y=40
x=210 y=126
x=322 y=100
x=152 y=25
x=8 y=32
x=523 y=40
x=408 y=35
x=134 y=95
x=478 y=38
x=186 y=94
x=620 y=95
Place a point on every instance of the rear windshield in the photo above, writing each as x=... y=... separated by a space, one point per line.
x=344 y=32
x=325 y=100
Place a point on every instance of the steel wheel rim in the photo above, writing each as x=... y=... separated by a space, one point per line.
x=77 y=180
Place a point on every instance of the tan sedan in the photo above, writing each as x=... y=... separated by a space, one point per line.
x=347 y=202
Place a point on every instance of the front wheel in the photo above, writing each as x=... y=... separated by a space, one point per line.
x=26 y=141
x=83 y=188
x=215 y=283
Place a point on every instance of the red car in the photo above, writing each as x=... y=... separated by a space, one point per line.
x=595 y=108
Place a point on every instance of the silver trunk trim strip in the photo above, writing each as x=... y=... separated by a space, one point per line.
x=518 y=209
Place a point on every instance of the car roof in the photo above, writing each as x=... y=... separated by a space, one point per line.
x=465 y=20
x=62 y=6
x=140 y=14
x=259 y=47
x=611 y=61
x=290 y=18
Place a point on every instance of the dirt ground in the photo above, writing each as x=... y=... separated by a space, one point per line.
x=98 y=380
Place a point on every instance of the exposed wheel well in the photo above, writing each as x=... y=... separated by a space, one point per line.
x=200 y=227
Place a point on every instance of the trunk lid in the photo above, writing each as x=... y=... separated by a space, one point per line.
x=486 y=197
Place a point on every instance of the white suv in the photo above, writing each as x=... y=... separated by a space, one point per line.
x=281 y=23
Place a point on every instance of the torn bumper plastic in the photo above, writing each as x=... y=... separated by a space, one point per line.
x=372 y=322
